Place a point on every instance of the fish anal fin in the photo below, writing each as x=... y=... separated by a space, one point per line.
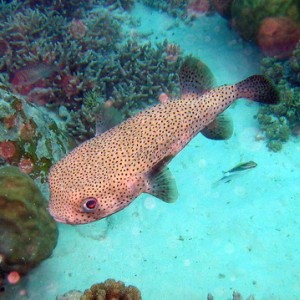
x=221 y=128
x=161 y=182
x=195 y=77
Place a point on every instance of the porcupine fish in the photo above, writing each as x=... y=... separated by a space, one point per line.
x=106 y=173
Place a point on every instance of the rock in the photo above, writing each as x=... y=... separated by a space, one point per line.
x=28 y=234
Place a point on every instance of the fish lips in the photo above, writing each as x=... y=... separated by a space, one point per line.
x=56 y=218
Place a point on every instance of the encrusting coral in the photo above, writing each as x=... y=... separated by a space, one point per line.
x=28 y=234
x=29 y=137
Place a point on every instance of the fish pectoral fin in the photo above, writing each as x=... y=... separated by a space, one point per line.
x=195 y=77
x=221 y=128
x=162 y=185
x=106 y=118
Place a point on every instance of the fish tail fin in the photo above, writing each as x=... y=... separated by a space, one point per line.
x=259 y=89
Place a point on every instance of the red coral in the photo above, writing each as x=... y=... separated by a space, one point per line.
x=77 y=29
x=26 y=165
x=4 y=47
x=71 y=85
x=10 y=121
x=278 y=36
x=8 y=150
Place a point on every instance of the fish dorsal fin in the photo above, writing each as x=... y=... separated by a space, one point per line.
x=106 y=118
x=221 y=128
x=195 y=77
x=162 y=183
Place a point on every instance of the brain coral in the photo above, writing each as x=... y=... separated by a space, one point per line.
x=28 y=234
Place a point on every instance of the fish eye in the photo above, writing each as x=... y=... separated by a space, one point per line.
x=90 y=204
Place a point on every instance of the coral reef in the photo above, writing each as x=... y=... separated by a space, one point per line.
x=74 y=47
x=71 y=8
x=29 y=137
x=247 y=15
x=281 y=121
x=28 y=234
x=111 y=290
x=54 y=60
x=133 y=80
x=176 y=8
x=123 y=4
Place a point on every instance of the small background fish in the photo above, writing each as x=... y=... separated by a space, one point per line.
x=238 y=170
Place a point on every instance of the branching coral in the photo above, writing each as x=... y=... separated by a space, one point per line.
x=133 y=80
x=71 y=8
x=176 y=8
x=31 y=37
x=280 y=121
x=123 y=4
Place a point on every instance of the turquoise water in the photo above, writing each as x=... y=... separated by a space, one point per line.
x=240 y=235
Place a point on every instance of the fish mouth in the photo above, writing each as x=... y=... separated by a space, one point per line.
x=56 y=218
x=60 y=220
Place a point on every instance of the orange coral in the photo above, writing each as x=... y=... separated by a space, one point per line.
x=278 y=36
x=7 y=150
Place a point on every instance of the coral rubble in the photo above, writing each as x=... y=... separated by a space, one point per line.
x=28 y=234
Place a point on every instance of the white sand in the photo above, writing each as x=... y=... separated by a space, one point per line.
x=241 y=235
